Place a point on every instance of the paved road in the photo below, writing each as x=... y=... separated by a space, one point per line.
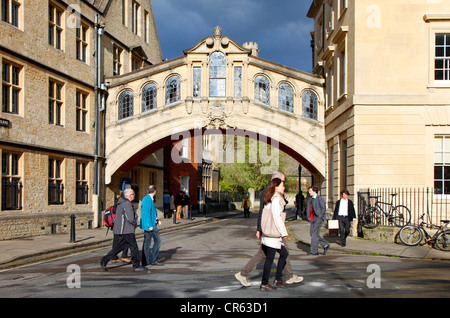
x=200 y=263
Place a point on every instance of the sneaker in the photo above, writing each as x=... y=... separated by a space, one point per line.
x=242 y=279
x=294 y=280
x=140 y=269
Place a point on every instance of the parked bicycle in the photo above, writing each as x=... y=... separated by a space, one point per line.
x=412 y=235
x=400 y=215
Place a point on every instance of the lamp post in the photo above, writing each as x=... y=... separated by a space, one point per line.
x=100 y=103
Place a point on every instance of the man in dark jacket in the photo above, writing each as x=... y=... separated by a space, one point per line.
x=344 y=211
x=124 y=227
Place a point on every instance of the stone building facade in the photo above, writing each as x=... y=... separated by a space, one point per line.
x=387 y=110
x=47 y=135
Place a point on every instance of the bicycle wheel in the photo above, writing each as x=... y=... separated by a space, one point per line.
x=410 y=235
x=371 y=218
x=443 y=241
x=400 y=216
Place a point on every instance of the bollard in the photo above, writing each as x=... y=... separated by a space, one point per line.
x=72 y=228
x=175 y=217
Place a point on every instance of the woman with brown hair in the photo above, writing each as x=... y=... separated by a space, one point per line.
x=273 y=200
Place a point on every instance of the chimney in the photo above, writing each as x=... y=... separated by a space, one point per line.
x=253 y=46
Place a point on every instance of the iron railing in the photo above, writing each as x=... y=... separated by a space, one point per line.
x=82 y=195
x=11 y=194
x=420 y=201
x=55 y=192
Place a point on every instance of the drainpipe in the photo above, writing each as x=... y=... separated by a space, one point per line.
x=99 y=30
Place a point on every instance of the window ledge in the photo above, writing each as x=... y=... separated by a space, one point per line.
x=431 y=17
x=443 y=84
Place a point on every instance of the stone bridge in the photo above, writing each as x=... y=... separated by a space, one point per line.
x=217 y=86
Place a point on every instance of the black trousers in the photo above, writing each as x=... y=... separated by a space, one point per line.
x=270 y=256
x=121 y=242
x=344 y=228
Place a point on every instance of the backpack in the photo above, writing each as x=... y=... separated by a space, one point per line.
x=109 y=217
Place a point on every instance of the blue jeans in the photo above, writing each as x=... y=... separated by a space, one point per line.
x=151 y=255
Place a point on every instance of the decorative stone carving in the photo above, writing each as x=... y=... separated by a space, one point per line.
x=218 y=117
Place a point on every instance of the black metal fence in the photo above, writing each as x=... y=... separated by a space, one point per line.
x=419 y=200
x=55 y=192
x=11 y=194
x=82 y=193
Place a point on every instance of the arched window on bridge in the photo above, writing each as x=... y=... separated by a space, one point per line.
x=309 y=104
x=126 y=104
x=217 y=74
x=262 y=89
x=173 y=89
x=149 y=97
x=286 y=97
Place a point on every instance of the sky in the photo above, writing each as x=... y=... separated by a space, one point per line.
x=280 y=27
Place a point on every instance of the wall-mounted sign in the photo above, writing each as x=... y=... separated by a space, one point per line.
x=4 y=122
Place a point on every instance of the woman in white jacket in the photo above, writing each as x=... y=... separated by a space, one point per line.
x=273 y=200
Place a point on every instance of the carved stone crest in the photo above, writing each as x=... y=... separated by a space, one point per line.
x=217 y=116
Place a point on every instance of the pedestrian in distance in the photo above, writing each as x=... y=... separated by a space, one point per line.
x=344 y=212
x=179 y=204
x=243 y=275
x=273 y=200
x=166 y=204
x=246 y=204
x=149 y=224
x=185 y=208
x=172 y=204
x=124 y=232
x=299 y=204
x=316 y=216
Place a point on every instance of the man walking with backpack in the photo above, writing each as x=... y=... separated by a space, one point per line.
x=124 y=228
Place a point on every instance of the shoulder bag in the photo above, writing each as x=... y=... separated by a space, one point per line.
x=268 y=226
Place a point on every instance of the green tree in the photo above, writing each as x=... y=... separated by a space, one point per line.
x=240 y=176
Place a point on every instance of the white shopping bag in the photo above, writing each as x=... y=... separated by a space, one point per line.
x=333 y=224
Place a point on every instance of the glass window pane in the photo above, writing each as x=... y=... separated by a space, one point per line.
x=447 y=173
x=126 y=105
x=438 y=146
x=149 y=97
x=5 y=164
x=438 y=172
x=173 y=89
x=446 y=187
x=217 y=74
x=286 y=97
x=238 y=82
x=262 y=89
x=197 y=81
x=437 y=187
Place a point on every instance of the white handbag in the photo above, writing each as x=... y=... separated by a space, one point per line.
x=333 y=224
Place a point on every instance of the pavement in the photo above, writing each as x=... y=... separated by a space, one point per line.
x=19 y=252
